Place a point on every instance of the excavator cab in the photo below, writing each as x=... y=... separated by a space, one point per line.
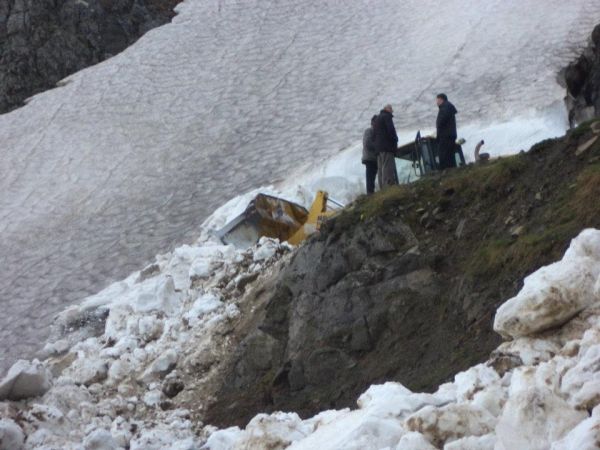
x=424 y=156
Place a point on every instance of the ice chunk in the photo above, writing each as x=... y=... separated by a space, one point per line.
x=534 y=416
x=205 y=304
x=11 y=435
x=25 y=379
x=223 y=439
x=414 y=441
x=555 y=293
x=486 y=442
x=99 y=440
x=585 y=436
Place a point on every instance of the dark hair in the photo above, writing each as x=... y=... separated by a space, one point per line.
x=374 y=118
x=443 y=97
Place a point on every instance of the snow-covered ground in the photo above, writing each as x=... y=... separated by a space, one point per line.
x=163 y=333
x=129 y=157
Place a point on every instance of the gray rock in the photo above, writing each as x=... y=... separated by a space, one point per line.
x=172 y=387
x=582 y=78
x=43 y=41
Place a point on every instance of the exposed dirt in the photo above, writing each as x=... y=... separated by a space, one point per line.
x=362 y=304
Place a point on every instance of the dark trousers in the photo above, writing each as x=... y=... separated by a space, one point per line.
x=446 y=149
x=371 y=168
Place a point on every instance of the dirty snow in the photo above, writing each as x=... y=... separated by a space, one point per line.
x=128 y=386
x=128 y=158
x=164 y=330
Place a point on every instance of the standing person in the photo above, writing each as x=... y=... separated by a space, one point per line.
x=386 y=144
x=446 y=132
x=369 y=156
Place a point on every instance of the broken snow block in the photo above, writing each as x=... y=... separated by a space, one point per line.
x=11 y=435
x=25 y=379
x=556 y=293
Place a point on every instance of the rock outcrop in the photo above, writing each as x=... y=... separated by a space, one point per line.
x=404 y=285
x=583 y=83
x=43 y=41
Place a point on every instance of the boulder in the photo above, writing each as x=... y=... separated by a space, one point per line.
x=451 y=422
x=25 y=379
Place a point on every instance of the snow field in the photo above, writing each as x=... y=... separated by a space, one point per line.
x=127 y=158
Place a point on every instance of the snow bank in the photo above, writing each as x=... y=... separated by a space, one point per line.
x=554 y=294
x=548 y=396
x=164 y=333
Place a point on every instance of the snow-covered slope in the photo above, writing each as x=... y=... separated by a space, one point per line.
x=130 y=156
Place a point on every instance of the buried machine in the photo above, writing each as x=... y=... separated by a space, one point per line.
x=424 y=156
x=277 y=218
x=274 y=217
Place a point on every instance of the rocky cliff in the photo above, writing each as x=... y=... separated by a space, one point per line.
x=403 y=285
x=43 y=41
x=583 y=82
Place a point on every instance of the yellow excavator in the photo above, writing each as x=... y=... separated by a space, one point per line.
x=277 y=218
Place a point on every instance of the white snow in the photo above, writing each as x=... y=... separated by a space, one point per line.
x=554 y=294
x=129 y=157
x=110 y=391
x=24 y=380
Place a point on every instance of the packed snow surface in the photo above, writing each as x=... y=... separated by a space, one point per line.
x=130 y=156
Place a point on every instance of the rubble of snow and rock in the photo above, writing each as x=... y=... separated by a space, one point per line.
x=117 y=373
x=539 y=391
x=114 y=376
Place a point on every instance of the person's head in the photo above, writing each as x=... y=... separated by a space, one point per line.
x=441 y=98
x=388 y=108
x=373 y=120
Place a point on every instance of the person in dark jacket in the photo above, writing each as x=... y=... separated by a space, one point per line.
x=446 y=132
x=369 y=156
x=386 y=144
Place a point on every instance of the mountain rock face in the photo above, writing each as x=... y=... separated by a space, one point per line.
x=583 y=83
x=43 y=41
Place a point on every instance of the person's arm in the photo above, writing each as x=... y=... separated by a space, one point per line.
x=442 y=118
x=389 y=123
x=366 y=139
x=371 y=141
